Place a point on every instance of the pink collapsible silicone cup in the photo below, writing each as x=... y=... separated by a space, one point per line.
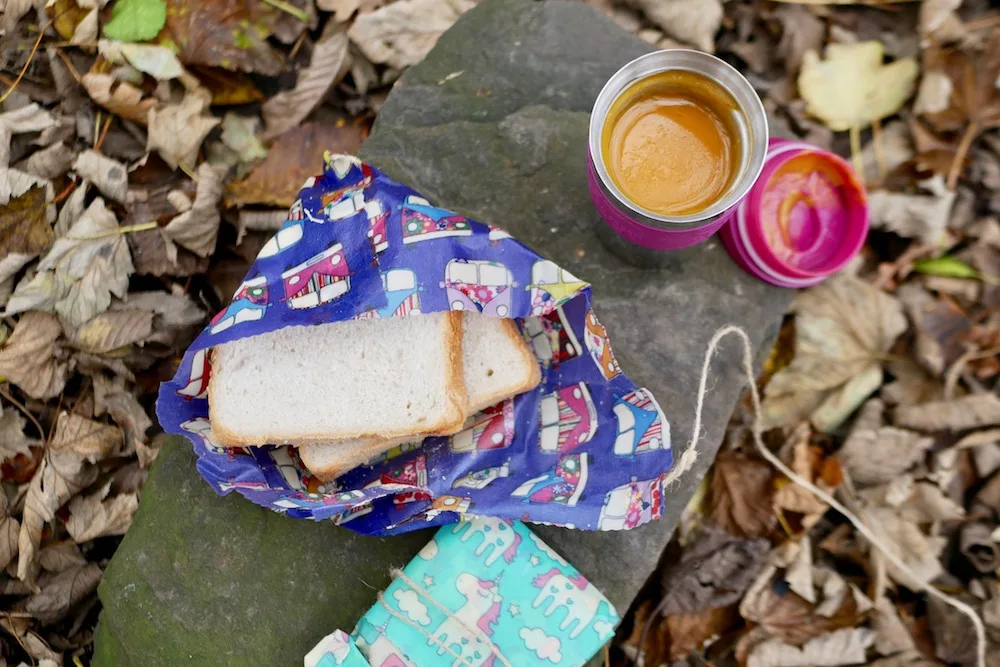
x=828 y=235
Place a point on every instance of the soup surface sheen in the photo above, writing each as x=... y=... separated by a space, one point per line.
x=670 y=142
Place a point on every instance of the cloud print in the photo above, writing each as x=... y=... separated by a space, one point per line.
x=411 y=605
x=547 y=550
x=545 y=647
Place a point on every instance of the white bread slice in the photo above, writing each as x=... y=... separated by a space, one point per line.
x=497 y=364
x=399 y=376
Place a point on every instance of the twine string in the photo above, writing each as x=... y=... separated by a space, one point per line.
x=424 y=593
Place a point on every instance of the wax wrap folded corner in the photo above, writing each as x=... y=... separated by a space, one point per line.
x=506 y=593
x=586 y=449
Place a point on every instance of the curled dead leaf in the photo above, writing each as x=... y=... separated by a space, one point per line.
x=843 y=327
x=874 y=453
x=846 y=646
x=111 y=330
x=920 y=216
x=61 y=556
x=110 y=176
x=24 y=225
x=329 y=64
x=740 y=498
x=30 y=358
x=291 y=160
x=198 y=228
x=95 y=515
x=119 y=97
x=62 y=592
x=50 y=162
x=971 y=411
x=402 y=33
x=176 y=131
x=693 y=22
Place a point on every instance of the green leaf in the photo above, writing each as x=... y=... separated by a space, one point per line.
x=946 y=266
x=136 y=20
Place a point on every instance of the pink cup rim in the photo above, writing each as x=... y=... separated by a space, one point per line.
x=781 y=152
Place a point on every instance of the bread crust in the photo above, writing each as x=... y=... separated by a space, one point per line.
x=530 y=381
x=451 y=422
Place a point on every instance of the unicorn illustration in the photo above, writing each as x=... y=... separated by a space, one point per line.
x=575 y=594
x=481 y=611
x=498 y=536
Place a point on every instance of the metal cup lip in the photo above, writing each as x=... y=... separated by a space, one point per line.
x=750 y=105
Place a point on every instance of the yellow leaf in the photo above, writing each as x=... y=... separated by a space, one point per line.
x=852 y=88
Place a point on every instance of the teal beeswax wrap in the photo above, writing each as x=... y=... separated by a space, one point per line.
x=496 y=576
x=336 y=650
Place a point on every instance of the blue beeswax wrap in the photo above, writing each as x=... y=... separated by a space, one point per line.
x=335 y=650
x=499 y=577
x=587 y=448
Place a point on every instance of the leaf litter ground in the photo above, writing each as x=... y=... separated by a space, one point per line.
x=149 y=147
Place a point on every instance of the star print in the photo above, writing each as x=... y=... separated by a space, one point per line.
x=535 y=560
x=514 y=610
x=428 y=580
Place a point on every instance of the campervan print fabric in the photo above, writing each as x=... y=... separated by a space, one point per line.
x=505 y=592
x=586 y=449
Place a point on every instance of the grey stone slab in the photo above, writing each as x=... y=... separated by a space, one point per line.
x=492 y=124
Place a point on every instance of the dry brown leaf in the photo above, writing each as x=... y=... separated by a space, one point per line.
x=13 y=441
x=9 y=529
x=13 y=11
x=402 y=33
x=111 y=396
x=971 y=411
x=954 y=637
x=874 y=453
x=29 y=118
x=891 y=635
x=119 y=97
x=801 y=31
x=62 y=592
x=691 y=632
x=93 y=257
x=297 y=155
x=61 y=556
x=24 y=226
x=843 y=326
x=90 y=439
x=71 y=210
x=329 y=64
x=50 y=162
x=241 y=134
x=110 y=176
x=176 y=131
x=787 y=616
x=807 y=462
x=30 y=358
x=231 y=34
x=917 y=550
x=920 y=216
x=741 y=495
x=344 y=9
x=693 y=22
x=111 y=330
x=939 y=23
x=159 y=62
x=977 y=545
x=198 y=228
x=174 y=309
x=841 y=647
x=95 y=515
x=62 y=474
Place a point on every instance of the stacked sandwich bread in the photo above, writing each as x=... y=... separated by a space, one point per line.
x=346 y=392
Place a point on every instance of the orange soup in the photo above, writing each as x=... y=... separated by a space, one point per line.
x=671 y=144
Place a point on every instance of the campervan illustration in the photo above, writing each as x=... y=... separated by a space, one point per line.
x=249 y=305
x=396 y=451
x=642 y=427
x=291 y=471
x=552 y=338
x=406 y=478
x=234 y=484
x=632 y=505
x=596 y=339
x=479 y=286
x=402 y=295
x=290 y=233
x=480 y=479
x=347 y=200
x=551 y=285
x=318 y=280
x=563 y=484
x=197 y=384
x=203 y=429
x=567 y=419
x=352 y=513
x=423 y=222
x=497 y=234
x=447 y=504
x=493 y=428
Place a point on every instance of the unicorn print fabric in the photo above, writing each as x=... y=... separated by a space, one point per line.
x=484 y=592
x=586 y=449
